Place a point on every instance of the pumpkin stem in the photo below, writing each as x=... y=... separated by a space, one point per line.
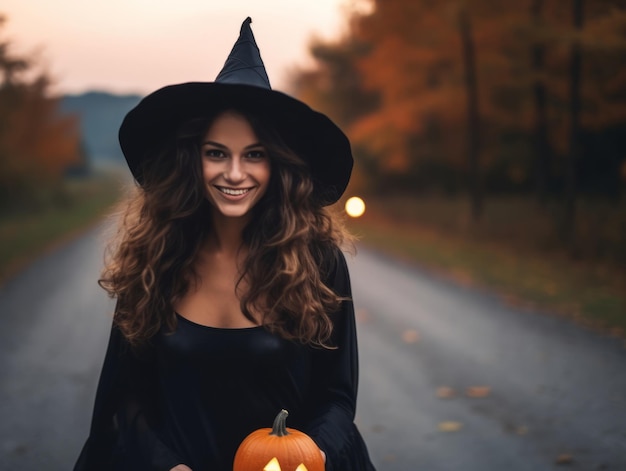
x=280 y=424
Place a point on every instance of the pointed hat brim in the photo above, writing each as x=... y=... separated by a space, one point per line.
x=312 y=135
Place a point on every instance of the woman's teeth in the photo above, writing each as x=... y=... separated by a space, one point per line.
x=230 y=191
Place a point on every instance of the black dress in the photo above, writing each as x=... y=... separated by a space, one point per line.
x=196 y=393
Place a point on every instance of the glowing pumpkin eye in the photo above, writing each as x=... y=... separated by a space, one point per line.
x=273 y=465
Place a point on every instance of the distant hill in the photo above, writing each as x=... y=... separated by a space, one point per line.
x=101 y=114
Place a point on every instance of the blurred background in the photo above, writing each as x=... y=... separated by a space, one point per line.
x=482 y=130
x=489 y=136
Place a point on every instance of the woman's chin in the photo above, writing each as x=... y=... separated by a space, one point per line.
x=231 y=211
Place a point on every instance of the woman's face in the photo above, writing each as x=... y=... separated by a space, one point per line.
x=235 y=166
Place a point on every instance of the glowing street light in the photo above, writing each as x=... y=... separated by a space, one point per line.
x=355 y=207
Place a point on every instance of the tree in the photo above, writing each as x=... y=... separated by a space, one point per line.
x=499 y=76
x=575 y=105
x=540 y=146
x=335 y=87
x=37 y=143
x=474 y=129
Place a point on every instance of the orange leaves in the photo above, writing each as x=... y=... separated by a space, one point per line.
x=448 y=393
x=474 y=392
x=382 y=134
x=36 y=134
x=478 y=391
x=564 y=459
x=37 y=143
x=449 y=426
x=396 y=82
x=414 y=65
x=445 y=392
x=410 y=336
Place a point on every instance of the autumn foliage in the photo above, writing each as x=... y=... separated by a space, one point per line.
x=37 y=143
x=401 y=81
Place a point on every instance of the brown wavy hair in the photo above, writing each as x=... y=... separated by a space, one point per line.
x=291 y=240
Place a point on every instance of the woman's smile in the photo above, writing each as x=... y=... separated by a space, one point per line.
x=234 y=193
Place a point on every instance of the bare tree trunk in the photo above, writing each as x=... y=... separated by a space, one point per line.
x=473 y=116
x=541 y=150
x=571 y=170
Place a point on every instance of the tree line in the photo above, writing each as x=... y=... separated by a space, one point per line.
x=38 y=144
x=480 y=97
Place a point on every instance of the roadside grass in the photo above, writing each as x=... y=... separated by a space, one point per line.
x=512 y=252
x=27 y=234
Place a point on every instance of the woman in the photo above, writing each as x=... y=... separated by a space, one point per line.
x=233 y=298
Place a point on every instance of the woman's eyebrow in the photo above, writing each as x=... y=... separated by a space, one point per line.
x=214 y=144
x=222 y=146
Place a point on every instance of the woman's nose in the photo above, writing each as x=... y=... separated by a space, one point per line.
x=234 y=172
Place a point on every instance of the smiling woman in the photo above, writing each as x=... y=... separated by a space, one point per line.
x=232 y=290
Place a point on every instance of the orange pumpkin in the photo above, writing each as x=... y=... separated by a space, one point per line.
x=278 y=449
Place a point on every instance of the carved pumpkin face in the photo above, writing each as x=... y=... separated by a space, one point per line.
x=278 y=449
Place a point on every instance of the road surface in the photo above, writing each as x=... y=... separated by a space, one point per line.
x=451 y=379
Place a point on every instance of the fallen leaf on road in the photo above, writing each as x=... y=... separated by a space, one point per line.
x=478 y=391
x=521 y=430
x=362 y=315
x=378 y=428
x=445 y=392
x=564 y=459
x=449 y=426
x=410 y=336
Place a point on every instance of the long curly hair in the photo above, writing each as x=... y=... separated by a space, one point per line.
x=291 y=243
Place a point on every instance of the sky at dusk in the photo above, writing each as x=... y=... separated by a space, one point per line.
x=137 y=46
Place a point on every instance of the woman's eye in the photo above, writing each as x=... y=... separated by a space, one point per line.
x=214 y=153
x=256 y=154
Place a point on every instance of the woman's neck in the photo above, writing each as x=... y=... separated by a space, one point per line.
x=227 y=235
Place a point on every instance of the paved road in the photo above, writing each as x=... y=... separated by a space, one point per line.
x=554 y=389
x=53 y=331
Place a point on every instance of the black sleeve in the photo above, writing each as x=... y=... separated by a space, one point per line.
x=335 y=374
x=120 y=431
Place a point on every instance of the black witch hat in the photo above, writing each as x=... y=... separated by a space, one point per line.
x=242 y=84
